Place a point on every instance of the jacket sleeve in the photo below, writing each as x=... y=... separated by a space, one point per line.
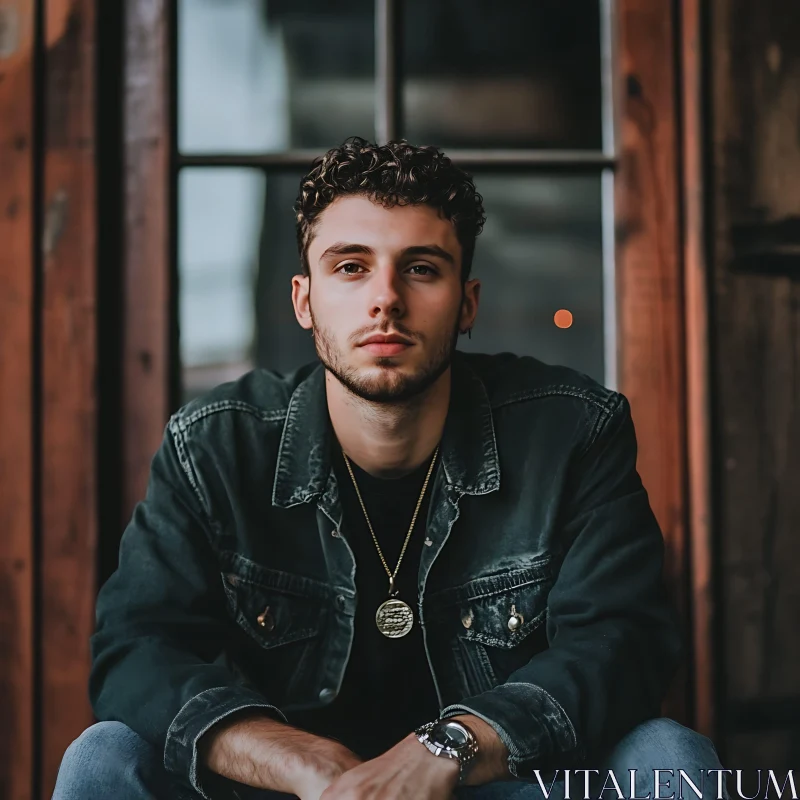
x=160 y=632
x=614 y=639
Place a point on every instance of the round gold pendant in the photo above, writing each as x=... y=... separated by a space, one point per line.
x=394 y=618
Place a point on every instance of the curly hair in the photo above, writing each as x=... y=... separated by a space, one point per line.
x=393 y=174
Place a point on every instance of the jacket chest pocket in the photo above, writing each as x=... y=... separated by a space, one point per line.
x=271 y=617
x=278 y=631
x=494 y=625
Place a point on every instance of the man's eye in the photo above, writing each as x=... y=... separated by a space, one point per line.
x=422 y=269
x=350 y=268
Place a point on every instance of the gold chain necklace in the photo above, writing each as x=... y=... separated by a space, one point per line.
x=394 y=618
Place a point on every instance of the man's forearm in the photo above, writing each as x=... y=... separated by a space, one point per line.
x=259 y=751
x=267 y=754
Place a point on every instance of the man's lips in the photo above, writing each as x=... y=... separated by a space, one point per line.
x=386 y=344
x=385 y=348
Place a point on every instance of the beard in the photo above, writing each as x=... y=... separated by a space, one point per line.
x=389 y=386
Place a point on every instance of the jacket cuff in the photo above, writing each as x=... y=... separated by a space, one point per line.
x=196 y=717
x=529 y=721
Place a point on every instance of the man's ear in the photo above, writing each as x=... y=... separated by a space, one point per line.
x=301 y=300
x=469 y=304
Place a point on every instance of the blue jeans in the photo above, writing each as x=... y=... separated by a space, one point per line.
x=110 y=760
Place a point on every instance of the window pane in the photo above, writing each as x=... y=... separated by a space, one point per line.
x=512 y=74
x=281 y=344
x=269 y=75
x=540 y=262
x=219 y=221
x=237 y=255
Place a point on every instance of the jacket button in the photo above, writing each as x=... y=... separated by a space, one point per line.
x=335 y=533
x=326 y=695
x=515 y=620
x=466 y=620
x=265 y=620
x=340 y=601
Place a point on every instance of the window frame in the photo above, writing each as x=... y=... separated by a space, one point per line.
x=388 y=126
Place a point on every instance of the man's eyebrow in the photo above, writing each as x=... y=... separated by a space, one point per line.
x=347 y=249
x=429 y=250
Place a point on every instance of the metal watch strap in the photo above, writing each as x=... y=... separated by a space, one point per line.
x=465 y=760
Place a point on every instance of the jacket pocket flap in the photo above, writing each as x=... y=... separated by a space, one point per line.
x=500 y=609
x=269 y=615
x=503 y=620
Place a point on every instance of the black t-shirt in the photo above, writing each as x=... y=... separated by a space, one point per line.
x=387 y=689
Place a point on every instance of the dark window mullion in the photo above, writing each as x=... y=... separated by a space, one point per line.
x=609 y=77
x=534 y=160
x=609 y=110
x=388 y=105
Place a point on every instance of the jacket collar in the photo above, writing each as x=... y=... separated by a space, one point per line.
x=468 y=450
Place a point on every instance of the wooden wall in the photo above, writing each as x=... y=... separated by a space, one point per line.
x=17 y=566
x=47 y=379
x=755 y=191
x=148 y=247
x=67 y=368
x=650 y=285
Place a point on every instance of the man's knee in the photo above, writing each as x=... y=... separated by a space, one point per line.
x=664 y=744
x=665 y=738
x=105 y=760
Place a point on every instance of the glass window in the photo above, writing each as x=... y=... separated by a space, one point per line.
x=281 y=344
x=270 y=75
x=219 y=221
x=540 y=261
x=511 y=74
x=237 y=255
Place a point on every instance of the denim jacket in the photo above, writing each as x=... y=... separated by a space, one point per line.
x=236 y=588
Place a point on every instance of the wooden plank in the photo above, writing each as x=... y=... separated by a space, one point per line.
x=69 y=407
x=756 y=103
x=147 y=251
x=649 y=281
x=698 y=401
x=17 y=88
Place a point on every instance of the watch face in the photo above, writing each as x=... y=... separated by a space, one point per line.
x=451 y=735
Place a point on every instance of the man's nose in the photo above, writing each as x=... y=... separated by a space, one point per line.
x=387 y=296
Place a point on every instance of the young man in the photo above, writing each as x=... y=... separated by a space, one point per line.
x=403 y=573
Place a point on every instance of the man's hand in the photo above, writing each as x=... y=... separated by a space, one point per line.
x=409 y=770
x=406 y=771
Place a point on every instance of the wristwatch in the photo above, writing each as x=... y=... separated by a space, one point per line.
x=450 y=739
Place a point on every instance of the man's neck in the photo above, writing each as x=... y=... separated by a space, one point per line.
x=387 y=440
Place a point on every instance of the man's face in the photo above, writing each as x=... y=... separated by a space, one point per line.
x=385 y=299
